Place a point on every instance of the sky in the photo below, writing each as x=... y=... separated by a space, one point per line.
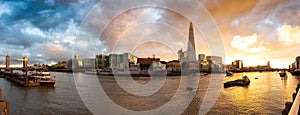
x=255 y=31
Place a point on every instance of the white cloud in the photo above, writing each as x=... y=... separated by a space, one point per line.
x=4 y=9
x=246 y=43
x=289 y=35
x=243 y=43
x=33 y=31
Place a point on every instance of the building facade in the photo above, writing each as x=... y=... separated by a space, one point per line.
x=102 y=61
x=88 y=63
x=74 y=63
x=122 y=61
x=237 y=65
x=201 y=57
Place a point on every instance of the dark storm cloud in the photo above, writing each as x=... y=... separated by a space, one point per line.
x=34 y=26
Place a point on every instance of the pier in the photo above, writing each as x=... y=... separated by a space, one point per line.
x=22 y=79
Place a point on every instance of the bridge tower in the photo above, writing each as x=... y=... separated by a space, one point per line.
x=7 y=62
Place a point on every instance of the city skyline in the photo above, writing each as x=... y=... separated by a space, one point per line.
x=254 y=33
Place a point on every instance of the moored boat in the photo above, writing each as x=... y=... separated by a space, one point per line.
x=43 y=77
x=245 y=81
x=228 y=73
x=282 y=74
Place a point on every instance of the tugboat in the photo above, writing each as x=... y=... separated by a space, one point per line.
x=245 y=81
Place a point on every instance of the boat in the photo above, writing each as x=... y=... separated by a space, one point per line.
x=43 y=78
x=282 y=74
x=296 y=72
x=228 y=73
x=245 y=81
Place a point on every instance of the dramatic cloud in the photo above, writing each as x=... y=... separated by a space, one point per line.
x=289 y=35
x=45 y=30
x=42 y=30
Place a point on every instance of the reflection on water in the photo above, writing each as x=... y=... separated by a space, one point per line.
x=63 y=99
x=265 y=95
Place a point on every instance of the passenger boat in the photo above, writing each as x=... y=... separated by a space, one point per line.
x=43 y=78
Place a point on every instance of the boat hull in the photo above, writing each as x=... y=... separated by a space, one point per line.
x=238 y=82
x=47 y=83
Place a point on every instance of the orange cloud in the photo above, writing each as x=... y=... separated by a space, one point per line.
x=289 y=35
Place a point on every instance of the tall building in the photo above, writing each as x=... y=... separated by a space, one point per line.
x=269 y=64
x=237 y=65
x=74 y=63
x=201 y=57
x=214 y=59
x=25 y=61
x=182 y=55
x=298 y=62
x=191 y=56
x=191 y=61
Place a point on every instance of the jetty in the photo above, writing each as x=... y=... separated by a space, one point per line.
x=19 y=76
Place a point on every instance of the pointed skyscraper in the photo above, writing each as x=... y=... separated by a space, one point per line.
x=191 y=57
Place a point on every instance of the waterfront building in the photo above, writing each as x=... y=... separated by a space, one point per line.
x=214 y=59
x=215 y=62
x=204 y=65
x=145 y=63
x=122 y=61
x=201 y=57
x=297 y=62
x=102 y=61
x=88 y=63
x=237 y=65
x=182 y=55
x=188 y=58
x=74 y=63
x=173 y=65
x=269 y=65
x=191 y=50
x=157 y=66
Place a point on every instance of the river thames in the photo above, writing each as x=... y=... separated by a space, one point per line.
x=265 y=95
